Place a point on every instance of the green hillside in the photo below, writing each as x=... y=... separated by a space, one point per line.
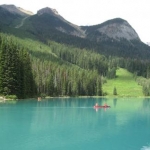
x=56 y=69
x=125 y=85
x=62 y=70
x=64 y=64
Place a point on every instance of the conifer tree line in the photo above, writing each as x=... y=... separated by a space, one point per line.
x=140 y=69
x=81 y=57
x=26 y=74
x=60 y=80
x=29 y=68
x=135 y=66
x=16 y=76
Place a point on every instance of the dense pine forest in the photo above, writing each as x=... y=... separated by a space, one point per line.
x=31 y=68
x=16 y=76
x=27 y=72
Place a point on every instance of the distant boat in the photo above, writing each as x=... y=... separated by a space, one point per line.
x=101 y=106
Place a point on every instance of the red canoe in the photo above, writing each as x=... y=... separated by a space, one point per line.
x=104 y=106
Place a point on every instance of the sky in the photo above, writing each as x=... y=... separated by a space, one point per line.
x=92 y=12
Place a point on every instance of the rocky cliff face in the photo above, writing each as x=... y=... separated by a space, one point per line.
x=148 y=43
x=117 y=30
x=16 y=10
x=25 y=11
x=60 y=23
x=48 y=11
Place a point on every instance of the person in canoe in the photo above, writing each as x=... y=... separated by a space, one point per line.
x=101 y=106
x=105 y=105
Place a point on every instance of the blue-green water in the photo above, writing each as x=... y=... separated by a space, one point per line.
x=73 y=124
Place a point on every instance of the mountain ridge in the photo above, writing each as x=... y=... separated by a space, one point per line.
x=53 y=12
x=16 y=10
x=114 y=37
x=115 y=28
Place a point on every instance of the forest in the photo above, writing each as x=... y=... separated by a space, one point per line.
x=30 y=68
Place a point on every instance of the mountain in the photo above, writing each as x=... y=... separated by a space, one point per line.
x=115 y=29
x=54 y=20
x=48 y=18
x=148 y=43
x=16 y=10
x=11 y=15
x=114 y=37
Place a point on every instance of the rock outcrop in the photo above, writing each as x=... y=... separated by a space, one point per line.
x=118 y=30
x=48 y=11
x=16 y=10
x=112 y=29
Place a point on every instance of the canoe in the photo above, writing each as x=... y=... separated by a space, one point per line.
x=103 y=106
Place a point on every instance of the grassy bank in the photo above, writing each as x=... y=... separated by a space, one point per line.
x=125 y=85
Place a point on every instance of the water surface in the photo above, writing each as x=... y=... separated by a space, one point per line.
x=74 y=124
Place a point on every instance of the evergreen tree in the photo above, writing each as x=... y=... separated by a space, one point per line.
x=114 y=91
x=15 y=70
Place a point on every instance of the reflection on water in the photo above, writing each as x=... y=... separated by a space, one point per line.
x=146 y=103
x=115 y=102
x=73 y=123
x=145 y=148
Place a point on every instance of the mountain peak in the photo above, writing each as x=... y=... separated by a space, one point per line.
x=25 y=11
x=148 y=43
x=47 y=10
x=16 y=10
x=115 y=20
x=118 y=28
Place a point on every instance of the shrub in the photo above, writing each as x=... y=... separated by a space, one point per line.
x=13 y=97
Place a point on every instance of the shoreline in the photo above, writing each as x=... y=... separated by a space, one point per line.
x=3 y=99
x=97 y=97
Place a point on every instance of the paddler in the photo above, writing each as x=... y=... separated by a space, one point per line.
x=105 y=105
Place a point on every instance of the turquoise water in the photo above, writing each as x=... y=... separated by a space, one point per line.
x=73 y=124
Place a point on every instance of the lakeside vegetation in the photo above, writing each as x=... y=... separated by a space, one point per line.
x=16 y=78
x=25 y=72
x=125 y=84
x=30 y=68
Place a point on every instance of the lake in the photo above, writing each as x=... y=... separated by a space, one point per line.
x=73 y=124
